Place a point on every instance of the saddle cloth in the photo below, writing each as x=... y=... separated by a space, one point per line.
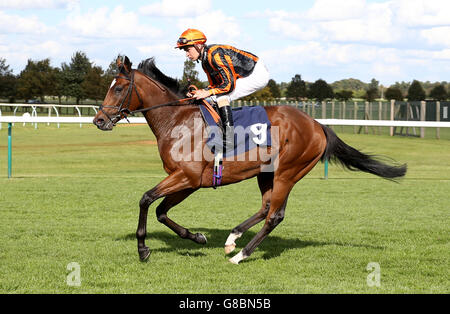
x=251 y=129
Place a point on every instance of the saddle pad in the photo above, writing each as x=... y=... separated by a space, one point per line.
x=251 y=129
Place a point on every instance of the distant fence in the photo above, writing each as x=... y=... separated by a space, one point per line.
x=34 y=119
x=33 y=110
x=362 y=110
x=431 y=111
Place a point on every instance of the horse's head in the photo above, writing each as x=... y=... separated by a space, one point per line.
x=121 y=99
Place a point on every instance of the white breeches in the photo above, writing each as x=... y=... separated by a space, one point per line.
x=248 y=85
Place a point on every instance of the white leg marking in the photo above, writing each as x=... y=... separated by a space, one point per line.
x=230 y=245
x=233 y=237
x=237 y=258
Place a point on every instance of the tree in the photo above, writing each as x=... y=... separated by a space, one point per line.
x=373 y=90
x=8 y=82
x=274 y=89
x=190 y=75
x=439 y=93
x=374 y=84
x=416 y=92
x=74 y=74
x=371 y=94
x=36 y=80
x=320 y=90
x=357 y=86
x=93 y=85
x=394 y=93
x=262 y=94
x=344 y=95
x=296 y=88
x=403 y=86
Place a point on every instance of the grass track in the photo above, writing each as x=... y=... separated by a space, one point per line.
x=74 y=198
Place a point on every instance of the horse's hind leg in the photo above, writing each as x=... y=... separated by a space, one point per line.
x=265 y=183
x=274 y=217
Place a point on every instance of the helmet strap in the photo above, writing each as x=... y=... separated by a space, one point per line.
x=200 y=52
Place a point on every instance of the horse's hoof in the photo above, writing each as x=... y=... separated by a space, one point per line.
x=229 y=248
x=144 y=254
x=200 y=238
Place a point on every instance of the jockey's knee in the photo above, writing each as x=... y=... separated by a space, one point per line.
x=223 y=101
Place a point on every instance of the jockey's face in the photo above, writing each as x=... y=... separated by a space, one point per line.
x=191 y=53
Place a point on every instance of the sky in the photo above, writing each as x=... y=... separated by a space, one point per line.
x=389 y=40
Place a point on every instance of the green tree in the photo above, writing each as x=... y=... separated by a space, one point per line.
x=393 y=93
x=344 y=95
x=439 y=93
x=36 y=80
x=320 y=90
x=274 y=89
x=262 y=94
x=190 y=75
x=296 y=88
x=354 y=85
x=108 y=76
x=371 y=94
x=74 y=74
x=416 y=92
x=8 y=82
x=403 y=86
x=93 y=84
x=374 y=84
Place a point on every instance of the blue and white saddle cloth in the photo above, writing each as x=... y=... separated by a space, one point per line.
x=251 y=129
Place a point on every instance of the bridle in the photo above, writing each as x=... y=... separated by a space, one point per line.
x=124 y=111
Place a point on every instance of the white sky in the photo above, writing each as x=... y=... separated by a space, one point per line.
x=396 y=40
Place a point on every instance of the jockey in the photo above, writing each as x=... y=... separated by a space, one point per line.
x=232 y=74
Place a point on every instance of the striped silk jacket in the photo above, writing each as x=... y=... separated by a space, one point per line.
x=224 y=65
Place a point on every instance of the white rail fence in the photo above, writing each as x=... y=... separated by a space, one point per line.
x=81 y=120
x=134 y=120
x=51 y=108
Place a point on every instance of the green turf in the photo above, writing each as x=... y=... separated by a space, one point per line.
x=74 y=198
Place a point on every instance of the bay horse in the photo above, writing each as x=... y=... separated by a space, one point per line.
x=302 y=143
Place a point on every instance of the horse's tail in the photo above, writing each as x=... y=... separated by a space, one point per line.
x=352 y=159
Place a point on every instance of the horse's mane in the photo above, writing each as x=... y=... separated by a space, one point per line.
x=149 y=68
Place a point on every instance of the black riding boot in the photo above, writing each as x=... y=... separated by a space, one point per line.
x=226 y=115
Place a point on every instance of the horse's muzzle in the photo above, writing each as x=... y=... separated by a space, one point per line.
x=102 y=124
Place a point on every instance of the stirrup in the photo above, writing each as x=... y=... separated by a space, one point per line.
x=217 y=172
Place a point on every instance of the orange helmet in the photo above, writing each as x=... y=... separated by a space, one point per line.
x=191 y=37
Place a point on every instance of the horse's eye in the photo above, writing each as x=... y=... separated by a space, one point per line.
x=118 y=89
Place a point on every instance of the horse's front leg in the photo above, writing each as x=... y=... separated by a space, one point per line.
x=169 y=202
x=174 y=183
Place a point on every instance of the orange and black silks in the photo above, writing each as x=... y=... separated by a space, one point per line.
x=223 y=65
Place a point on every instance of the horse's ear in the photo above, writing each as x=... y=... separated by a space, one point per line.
x=119 y=61
x=127 y=63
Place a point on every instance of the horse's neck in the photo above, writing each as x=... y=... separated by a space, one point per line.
x=165 y=119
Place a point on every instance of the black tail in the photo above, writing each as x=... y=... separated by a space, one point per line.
x=352 y=159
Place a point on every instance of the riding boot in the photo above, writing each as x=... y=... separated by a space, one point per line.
x=226 y=115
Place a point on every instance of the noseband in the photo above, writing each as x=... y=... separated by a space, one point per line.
x=123 y=111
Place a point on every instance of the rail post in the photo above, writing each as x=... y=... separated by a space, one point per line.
x=9 y=149
x=423 y=109
x=391 y=129
x=438 y=118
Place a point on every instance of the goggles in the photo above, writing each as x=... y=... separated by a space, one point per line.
x=184 y=41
